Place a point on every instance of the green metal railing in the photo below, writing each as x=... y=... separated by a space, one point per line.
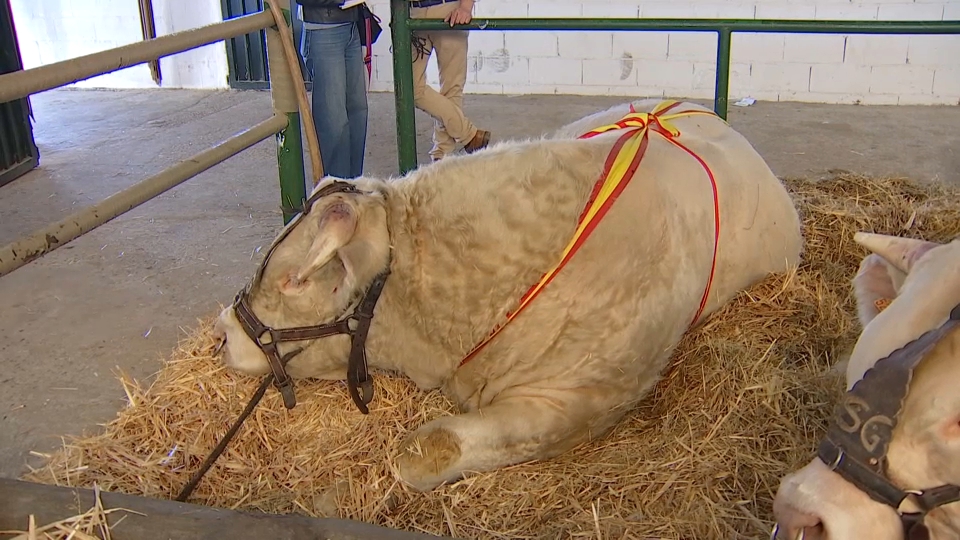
x=402 y=26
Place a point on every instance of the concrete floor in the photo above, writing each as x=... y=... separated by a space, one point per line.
x=119 y=296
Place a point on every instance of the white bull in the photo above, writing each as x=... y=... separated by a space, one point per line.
x=466 y=237
x=923 y=281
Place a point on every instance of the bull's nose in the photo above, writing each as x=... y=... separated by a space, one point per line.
x=219 y=339
x=809 y=528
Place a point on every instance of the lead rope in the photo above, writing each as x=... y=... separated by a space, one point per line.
x=257 y=396
x=222 y=445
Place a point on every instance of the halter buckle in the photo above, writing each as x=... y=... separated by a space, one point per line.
x=366 y=388
x=266 y=332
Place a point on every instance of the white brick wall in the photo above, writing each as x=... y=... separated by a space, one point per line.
x=52 y=30
x=786 y=67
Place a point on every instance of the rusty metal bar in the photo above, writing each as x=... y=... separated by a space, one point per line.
x=148 y=28
x=57 y=234
x=21 y=84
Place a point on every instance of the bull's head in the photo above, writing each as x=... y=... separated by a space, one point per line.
x=317 y=271
x=882 y=482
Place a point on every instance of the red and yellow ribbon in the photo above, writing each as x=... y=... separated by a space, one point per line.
x=619 y=169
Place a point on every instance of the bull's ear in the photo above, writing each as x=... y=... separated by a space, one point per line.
x=875 y=285
x=883 y=272
x=337 y=226
x=902 y=253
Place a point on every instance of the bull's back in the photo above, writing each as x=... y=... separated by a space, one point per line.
x=622 y=301
x=759 y=228
x=657 y=241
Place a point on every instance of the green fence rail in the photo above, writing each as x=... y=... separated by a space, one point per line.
x=402 y=26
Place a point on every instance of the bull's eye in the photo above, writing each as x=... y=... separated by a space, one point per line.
x=292 y=285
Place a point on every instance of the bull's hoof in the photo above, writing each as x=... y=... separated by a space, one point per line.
x=427 y=457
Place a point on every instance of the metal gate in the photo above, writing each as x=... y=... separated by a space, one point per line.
x=247 y=55
x=18 y=152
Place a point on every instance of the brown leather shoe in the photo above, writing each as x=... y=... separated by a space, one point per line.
x=478 y=142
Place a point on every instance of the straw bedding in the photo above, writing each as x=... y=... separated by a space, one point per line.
x=744 y=401
x=90 y=525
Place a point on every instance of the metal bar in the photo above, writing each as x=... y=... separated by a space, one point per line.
x=400 y=24
x=290 y=166
x=722 y=88
x=24 y=83
x=57 y=234
x=282 y=18
x=804 y=26
x=148 y=28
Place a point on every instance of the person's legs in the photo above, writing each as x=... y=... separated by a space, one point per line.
x=356 y=101
x=422 y=48
x=451 y=47
x=429 y=100
x=329 y=102
x=305 y=52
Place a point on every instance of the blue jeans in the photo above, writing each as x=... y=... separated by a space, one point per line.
x=335 y=59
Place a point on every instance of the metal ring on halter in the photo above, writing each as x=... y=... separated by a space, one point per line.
x=837 y=460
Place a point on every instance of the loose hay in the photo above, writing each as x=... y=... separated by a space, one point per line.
x=90 y=525
x=744 y=402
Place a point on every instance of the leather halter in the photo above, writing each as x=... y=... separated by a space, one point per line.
x=856 y=444
x=356 y=324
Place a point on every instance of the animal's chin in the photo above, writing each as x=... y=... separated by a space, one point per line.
x=253 y=369
x=314 y=372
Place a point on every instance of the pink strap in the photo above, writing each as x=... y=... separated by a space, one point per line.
x=368 y=59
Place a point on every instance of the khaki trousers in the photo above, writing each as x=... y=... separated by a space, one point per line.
x=450 y=125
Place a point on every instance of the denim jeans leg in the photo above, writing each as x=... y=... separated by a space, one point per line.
x=329 y=103
x=305 y=53
x=356 y=89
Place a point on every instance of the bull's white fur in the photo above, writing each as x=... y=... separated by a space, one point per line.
x=470 y=234
x=923 y=280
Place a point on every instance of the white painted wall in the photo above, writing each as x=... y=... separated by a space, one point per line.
x=54 y=30
x=811 y=68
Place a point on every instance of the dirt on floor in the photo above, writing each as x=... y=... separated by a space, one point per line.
x=119 y=297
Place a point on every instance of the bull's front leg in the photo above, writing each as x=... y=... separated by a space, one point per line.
x=540 y=424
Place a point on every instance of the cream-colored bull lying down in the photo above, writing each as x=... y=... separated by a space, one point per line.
x=923 y=450
x=466 y=237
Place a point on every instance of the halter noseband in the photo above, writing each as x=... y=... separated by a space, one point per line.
x=356 y=324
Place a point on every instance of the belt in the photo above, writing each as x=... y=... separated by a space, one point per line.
x=429 y=3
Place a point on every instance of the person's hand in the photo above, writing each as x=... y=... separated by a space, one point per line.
x=462 y=15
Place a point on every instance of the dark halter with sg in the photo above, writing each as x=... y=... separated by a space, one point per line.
x=355 y=324
x=856 y=443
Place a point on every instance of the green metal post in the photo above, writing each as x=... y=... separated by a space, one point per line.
x=722 y=89
x=403 y=85
x=293 y=190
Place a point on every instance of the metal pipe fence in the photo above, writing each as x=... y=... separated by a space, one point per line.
x=285 y=86
x=402 y=27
